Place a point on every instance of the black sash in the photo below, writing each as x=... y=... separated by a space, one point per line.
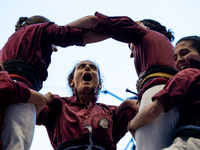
x=24 y=70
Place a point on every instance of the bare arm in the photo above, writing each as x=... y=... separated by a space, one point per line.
x=87 y=24
x=38 y=99
x=146 y=115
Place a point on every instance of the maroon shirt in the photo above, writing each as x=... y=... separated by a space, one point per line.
x=151 y=48
x=11 y=92
x=65 y=121
x=33 y=44
x=181 y=90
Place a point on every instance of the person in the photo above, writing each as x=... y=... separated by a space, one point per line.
x=17 y=92
x=26 y=56
x=65 y=117
x=181 y=90
x=153 y=52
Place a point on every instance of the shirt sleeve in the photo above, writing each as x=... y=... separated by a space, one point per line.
x=47 y=116
x=121 y=122
x=177 y=88
x=121 y=28
x=12 y=92
x=63 y=35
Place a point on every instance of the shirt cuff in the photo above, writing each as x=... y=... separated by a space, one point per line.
x=100 y=26
x=165 y=99
x=76 y=37
x=23 y=93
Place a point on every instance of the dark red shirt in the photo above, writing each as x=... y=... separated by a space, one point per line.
x=181 y=90
x=33 y=44
x=151 y=48
x=65 y=121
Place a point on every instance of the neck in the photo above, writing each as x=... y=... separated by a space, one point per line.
x=85 y=97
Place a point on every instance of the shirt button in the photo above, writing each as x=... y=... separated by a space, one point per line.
x=86 y=116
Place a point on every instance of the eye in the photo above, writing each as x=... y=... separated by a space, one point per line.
x=93 y=67
x=175 y=57
x=184 y=52
x=81 y=66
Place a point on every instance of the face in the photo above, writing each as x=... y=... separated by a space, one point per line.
x=132 y=48
x=86 y=76
x=183 y=53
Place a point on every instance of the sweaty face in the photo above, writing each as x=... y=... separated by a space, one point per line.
x=86 y=76
x=183 y=53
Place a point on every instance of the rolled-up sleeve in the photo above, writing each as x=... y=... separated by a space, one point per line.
x=12 y=92
x=177 y=88
x=63 y=35
x=120 y=28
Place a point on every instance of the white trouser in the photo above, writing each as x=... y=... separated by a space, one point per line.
x=19 y=125
x=157 y=134
x=181 y=144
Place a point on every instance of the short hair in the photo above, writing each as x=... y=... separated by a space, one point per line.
x=156 y=26
x=194 y=41
x=25 y=21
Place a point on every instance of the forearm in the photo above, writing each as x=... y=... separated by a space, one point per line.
x=146 y=115
x=38 y=99
x=84 y=23
x=91 y=37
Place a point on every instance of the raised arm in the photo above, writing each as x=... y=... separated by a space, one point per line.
x=146 y=115
x=87 y=24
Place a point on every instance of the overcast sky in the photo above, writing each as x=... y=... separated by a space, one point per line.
x=117 y=68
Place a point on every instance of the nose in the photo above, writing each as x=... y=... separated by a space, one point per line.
x=178 y=61
x=87 y=68
x=179 y=58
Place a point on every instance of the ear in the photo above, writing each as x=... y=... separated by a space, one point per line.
x=99 y=85
x=71 y=82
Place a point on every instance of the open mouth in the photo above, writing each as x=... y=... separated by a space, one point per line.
x=87 y=77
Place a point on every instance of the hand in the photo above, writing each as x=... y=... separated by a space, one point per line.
x=128 y=103
x=48 y=95
x=38 y=99
x=51 y=100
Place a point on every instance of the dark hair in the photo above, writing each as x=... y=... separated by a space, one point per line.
x=194 y=41
x=71 y=76
x=156 y=26
x=25 y=21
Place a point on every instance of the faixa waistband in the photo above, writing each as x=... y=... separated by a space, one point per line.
x=156 y=72
x=22 y=71
x=19 y=78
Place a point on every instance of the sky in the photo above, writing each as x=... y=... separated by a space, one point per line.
x=113 y=57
